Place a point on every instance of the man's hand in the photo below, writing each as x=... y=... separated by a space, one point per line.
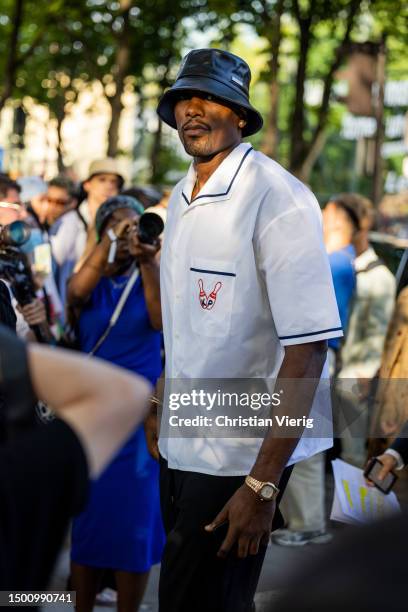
x=389 y=463
x=150 y=427
x=34 y=313
x=250 y=522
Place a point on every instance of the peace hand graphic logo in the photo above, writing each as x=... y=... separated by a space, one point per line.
x=207 y=301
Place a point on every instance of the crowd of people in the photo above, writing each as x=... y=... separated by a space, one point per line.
x=252 y=282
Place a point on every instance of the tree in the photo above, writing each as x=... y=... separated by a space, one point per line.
x=313 y=23
x=305 y=149
x=19 y=39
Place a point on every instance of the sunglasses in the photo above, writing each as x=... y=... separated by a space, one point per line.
x=56 y=201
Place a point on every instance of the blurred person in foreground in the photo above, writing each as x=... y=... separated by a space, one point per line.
x=303 y=504
x=245 y=294
x=373 y=305
x=364 y=572
x=120 y=528
x=44 y=471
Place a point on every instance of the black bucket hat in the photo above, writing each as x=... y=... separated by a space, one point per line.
x=219 y=73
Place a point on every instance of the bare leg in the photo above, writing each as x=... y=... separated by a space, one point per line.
x=85 y=581
x=131 y=587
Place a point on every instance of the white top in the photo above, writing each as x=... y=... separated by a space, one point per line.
x=252 y=242
x=68 y=237
x=373 y=305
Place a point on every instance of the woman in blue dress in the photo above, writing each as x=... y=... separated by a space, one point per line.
x=121 y=528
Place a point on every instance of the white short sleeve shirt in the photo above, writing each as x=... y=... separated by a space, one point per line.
x=244 y=273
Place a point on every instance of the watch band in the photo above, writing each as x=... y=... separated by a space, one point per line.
x=257 y=485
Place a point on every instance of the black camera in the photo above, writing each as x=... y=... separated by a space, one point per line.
x=150 y=227
x=15 y=267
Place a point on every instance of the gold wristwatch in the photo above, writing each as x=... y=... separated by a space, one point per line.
x=267 y=491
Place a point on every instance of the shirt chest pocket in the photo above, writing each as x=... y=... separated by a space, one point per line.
x=212 y=286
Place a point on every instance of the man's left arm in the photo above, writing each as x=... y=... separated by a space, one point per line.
x=290 y=253
x=249 y=518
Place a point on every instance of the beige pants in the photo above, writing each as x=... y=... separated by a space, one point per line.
x=302 y=504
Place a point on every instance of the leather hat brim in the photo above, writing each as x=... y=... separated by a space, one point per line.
x=219 y=90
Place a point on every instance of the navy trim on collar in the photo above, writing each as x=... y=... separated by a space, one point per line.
x=322 y=331
x=217 y=195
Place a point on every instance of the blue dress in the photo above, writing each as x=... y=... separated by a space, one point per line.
x=121 y=526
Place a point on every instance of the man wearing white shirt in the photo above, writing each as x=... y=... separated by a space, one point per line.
x=246 y=294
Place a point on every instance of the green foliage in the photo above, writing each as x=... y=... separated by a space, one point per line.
x=63 y=45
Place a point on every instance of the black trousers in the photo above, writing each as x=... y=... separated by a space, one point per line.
x=192 y=577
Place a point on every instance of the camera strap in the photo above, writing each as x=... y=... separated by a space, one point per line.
x=116 y=313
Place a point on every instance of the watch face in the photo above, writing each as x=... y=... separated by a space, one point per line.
x=267 y=492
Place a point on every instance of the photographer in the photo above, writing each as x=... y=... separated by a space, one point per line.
x=121 y=270
x=16 y=272
x=44 y=471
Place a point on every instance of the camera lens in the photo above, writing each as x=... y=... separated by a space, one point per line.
x=16 y=234
x=150 y=227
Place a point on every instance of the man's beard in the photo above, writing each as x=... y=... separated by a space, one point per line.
x=200 y=147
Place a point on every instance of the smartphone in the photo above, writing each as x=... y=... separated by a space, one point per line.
x=372 y=472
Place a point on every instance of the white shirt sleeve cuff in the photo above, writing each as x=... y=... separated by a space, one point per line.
x=397 y=457
x=324 y=334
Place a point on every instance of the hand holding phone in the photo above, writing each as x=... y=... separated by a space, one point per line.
x=379 y=473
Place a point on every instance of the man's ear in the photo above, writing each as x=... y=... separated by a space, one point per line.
x=85 y=185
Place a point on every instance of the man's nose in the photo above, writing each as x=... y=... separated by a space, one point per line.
x=195 y=107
